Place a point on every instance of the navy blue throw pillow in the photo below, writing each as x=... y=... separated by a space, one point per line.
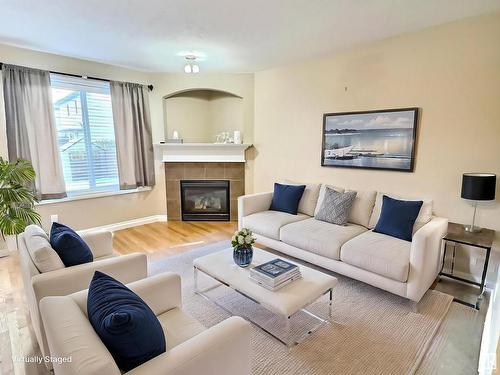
x=398 y=217
x=286 y=198
x=70 y=247
x=125 y=324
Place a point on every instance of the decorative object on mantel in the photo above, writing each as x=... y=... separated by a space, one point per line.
x=457 y=234
x=223 y=137
x=382 y=139
x=478 y=187
x=175 y=138
x=237 y=137
x=242 y=243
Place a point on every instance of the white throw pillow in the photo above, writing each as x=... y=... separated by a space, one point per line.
x=322 y=195
x=307 y=203
x=42 y=254
x=362 y=207
x=424 y=216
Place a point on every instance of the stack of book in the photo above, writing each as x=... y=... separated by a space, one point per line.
x=275 y=274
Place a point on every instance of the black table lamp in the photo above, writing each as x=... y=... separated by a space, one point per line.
x=478 y=187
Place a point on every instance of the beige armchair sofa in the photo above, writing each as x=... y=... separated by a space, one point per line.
x=404 y=268
x=223 y=349
x=66 y=280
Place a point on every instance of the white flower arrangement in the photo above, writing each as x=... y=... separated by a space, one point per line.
x=243 y=238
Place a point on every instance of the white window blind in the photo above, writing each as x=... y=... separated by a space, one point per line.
x=85 y=133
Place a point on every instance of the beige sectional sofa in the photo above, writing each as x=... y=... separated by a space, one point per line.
x=404 y=268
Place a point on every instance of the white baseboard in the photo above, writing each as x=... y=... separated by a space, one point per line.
x=127 y=223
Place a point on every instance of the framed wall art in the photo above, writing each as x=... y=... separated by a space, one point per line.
x=383 y=139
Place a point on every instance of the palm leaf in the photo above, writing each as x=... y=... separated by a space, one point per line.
x=27 y=214
x=17 y=200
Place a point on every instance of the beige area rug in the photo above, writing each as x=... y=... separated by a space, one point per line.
x=377 y=332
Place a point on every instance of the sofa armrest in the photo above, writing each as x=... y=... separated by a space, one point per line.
x=126 y=268
x=252 y=203
x=71 y=336
x=425 y=257
x=223 y=349
x=100 y=242
x=161 y=292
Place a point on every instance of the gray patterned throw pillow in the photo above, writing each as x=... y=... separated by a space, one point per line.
x=336 y=206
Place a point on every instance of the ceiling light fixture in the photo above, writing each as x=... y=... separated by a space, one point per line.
x=191 y=65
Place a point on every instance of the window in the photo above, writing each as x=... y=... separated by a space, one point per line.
x=85 y=134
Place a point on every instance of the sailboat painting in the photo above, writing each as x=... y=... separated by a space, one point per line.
x=382 y=139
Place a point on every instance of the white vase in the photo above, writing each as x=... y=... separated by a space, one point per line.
x=237 y=137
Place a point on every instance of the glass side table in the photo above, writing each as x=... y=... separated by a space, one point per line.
x=482 y=240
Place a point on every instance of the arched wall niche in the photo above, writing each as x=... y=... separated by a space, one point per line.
x=199 y=114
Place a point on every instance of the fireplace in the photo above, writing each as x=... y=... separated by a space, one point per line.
x=205 y=200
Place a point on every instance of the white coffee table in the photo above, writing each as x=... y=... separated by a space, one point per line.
x=286 y=302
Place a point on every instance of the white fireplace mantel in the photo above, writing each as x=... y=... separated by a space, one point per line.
x=202 y=152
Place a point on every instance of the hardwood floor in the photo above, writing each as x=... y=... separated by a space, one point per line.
x=16 y=336
x=158 y=240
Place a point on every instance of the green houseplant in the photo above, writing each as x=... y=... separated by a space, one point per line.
x=17 y=199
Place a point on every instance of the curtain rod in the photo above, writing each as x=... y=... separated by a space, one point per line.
x=150 y=87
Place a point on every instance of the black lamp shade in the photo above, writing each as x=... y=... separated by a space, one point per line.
x=479 y=186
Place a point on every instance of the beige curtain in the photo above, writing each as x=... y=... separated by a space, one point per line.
x=31 y=127
x=134 y=145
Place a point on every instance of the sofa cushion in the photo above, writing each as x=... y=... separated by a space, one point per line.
x=423 y=217
x=44 y=257
x=286 y=198
x=179 y=327
x=398 y=218
x=307 y=203
x=362 y=207
x=269 y=223
x=321 y=195
x=124 y=322
x=378 y=253
x=335 y=207
x=70 y=247
x=319 y=237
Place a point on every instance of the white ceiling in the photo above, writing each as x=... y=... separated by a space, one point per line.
x=235 y=35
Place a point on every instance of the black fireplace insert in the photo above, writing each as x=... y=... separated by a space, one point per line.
x=205 y=200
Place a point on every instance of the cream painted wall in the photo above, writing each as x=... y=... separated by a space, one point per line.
x=200 y=115
x=451 y=72
x=226 y=114
x=189 y=115
x=98 y=211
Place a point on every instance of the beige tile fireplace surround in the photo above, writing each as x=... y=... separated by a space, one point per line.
x=175 y=172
